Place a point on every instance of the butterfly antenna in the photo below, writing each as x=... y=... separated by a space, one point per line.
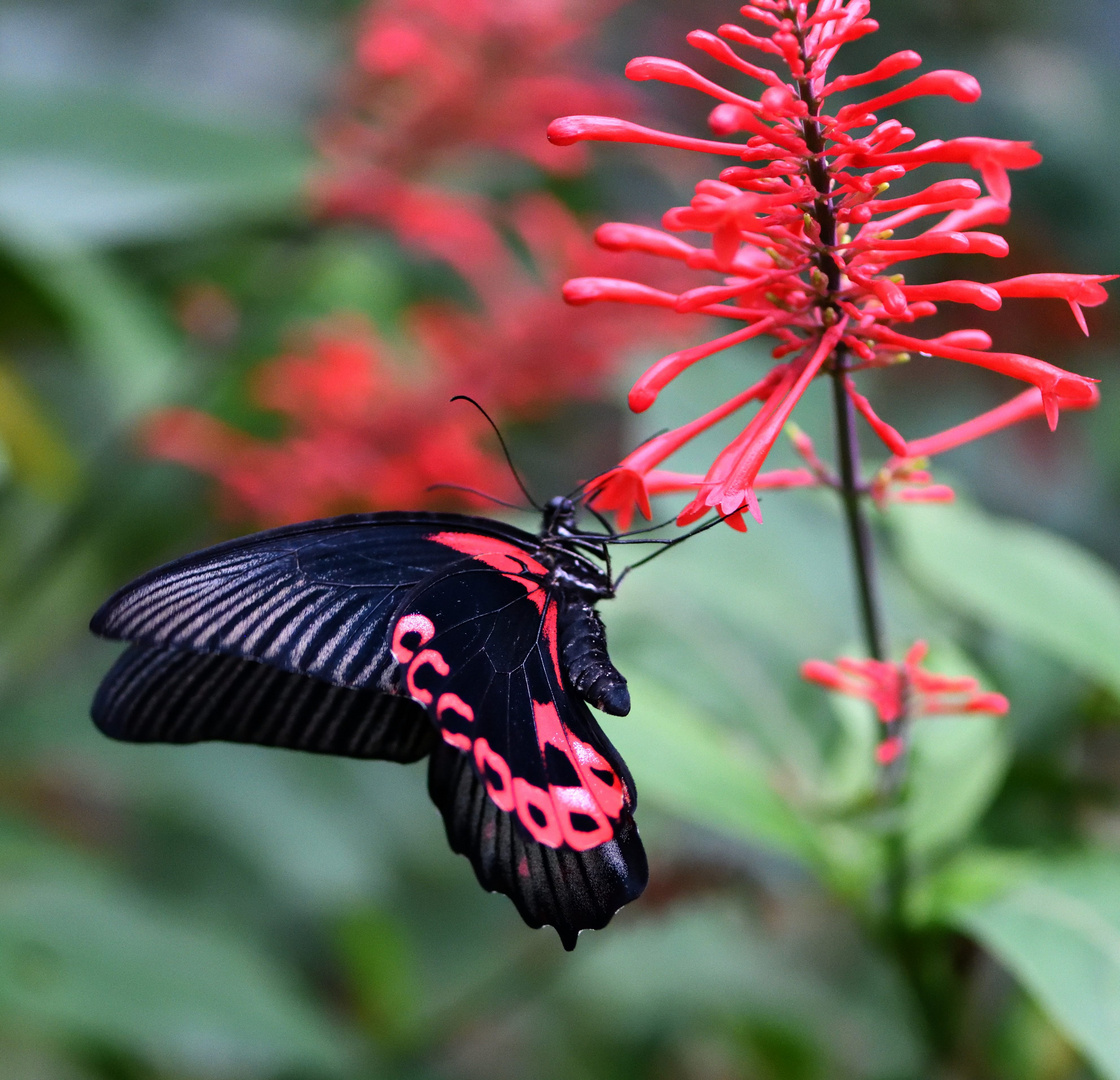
x=672 y=544
x=472 y=491
x=505 y=450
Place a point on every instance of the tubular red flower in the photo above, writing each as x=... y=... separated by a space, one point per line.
x=887 y=68
x=1079 y=290
x=632 y=482
x=730 y=482
x=1058 y=387
x=1021 y=407
x=646 y=389
x=721 y=51
x=955 y=84
x=573 y=129
x=906 y=689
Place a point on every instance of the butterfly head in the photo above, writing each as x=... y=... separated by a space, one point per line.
x=559 y=516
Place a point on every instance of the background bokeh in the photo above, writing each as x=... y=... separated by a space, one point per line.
x=183 y=208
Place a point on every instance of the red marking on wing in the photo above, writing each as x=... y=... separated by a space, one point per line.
x=529 y=797
x=578 y=800
x=548 y=630
x=433 y=658
x=546 y=815
x=532 y=588
x=456 y=705
x=460 y=742
x=595 y=798
x=411 y=624
x=489 y=760
x=500 y=554
x=610 y=796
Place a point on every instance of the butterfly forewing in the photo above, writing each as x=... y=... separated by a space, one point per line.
x=315 y=598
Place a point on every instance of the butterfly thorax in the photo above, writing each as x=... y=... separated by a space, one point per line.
x=576 y=573
x=574 y=561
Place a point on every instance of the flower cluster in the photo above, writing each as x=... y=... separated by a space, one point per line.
x=807 y=244
x=436 y=82
x=904 y=690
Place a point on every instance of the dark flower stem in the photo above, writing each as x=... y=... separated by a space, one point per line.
x=851 y=493
x=851 y=487
x=903 y=941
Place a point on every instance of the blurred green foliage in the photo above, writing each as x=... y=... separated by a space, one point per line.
x=214 y=912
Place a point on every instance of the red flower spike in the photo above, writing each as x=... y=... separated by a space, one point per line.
x=807 y=245
x=903 y=690
x=367 y=430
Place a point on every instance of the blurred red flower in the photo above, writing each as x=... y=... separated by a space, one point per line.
x=366 y=430
x=807 y=244
x=363 y=432
x=435 y=83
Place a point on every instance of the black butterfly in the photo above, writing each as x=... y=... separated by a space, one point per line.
x=399 y=636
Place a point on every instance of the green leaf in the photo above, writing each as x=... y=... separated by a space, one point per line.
x=698 y=771
x=36 y=452
x=692 y=967
x=970 y=878
x=1058 y=930
x=1018 y=577
x=132 y=350
x=381 y=963
x=87 y=167
x=956 y=767
x=84 y=957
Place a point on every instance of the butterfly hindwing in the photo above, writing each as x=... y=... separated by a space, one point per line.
x=530 y=788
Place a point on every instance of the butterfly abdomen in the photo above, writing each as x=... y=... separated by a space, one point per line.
x=583 y=646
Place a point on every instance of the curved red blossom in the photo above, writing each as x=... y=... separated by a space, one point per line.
x=806 y=244
x=903 y=691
